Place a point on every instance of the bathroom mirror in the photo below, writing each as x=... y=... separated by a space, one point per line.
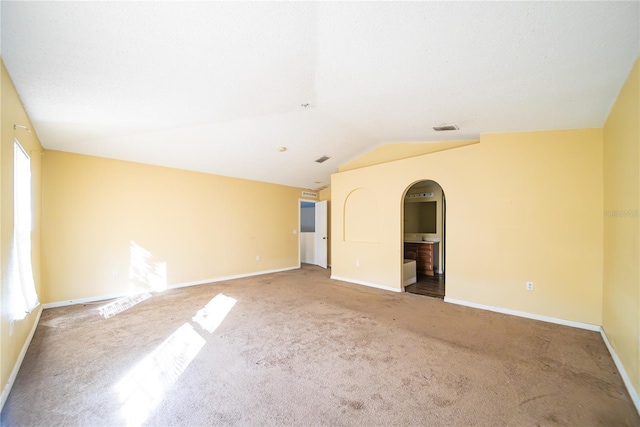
x=420 y=217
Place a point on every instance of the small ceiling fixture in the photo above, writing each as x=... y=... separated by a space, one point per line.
x=322 y=159
x=307 y=105
x=282 y=149
x=445 y=127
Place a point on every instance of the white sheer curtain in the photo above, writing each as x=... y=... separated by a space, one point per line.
x=24 y=297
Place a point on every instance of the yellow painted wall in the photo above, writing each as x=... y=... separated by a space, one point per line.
x=520 y=207
x=13 y=113
x=401 y=150
x=202 y=226
x=621 y=294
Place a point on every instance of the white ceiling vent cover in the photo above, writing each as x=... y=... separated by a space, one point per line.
x=310 y=194
x=322 y=159
x=445 y=127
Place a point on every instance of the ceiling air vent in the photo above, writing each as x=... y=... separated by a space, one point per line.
x=322 y=159
x=445 y=127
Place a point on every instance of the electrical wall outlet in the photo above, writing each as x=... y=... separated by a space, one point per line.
x=529 y=286
x=115 y=272
x=357 y=263
x=257 y=257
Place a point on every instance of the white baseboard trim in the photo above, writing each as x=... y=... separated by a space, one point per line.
x=623 y=373
x=176 y=286
x=548 y=319
x=82 y=300
x=237 y=276
x=14 y=373
x=371 y=285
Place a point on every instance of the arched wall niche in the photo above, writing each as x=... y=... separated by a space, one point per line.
x=361 y=216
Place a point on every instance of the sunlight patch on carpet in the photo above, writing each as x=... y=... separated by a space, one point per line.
x=144 y=387
x=122 y=304
x=212 y=315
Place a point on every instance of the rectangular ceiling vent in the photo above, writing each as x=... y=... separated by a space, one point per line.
x=322 y=159
x=445 y=127
x=309 y=194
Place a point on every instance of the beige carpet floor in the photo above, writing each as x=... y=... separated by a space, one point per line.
x=297 y=348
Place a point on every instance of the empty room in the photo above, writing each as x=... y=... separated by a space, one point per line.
x=320 y=213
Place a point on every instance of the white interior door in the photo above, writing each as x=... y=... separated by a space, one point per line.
x=321 y=234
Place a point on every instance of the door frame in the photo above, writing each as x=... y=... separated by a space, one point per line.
x=299 y=230
x=443 y=228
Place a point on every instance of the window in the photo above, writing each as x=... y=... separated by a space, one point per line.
x=23 y=291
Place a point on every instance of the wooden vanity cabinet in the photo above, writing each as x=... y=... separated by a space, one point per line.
x=411 y=251
x=423 y=254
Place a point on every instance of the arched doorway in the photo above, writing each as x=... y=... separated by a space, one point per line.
x=423 y=228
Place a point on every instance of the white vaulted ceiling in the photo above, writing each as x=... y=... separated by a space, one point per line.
x=218 y=87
